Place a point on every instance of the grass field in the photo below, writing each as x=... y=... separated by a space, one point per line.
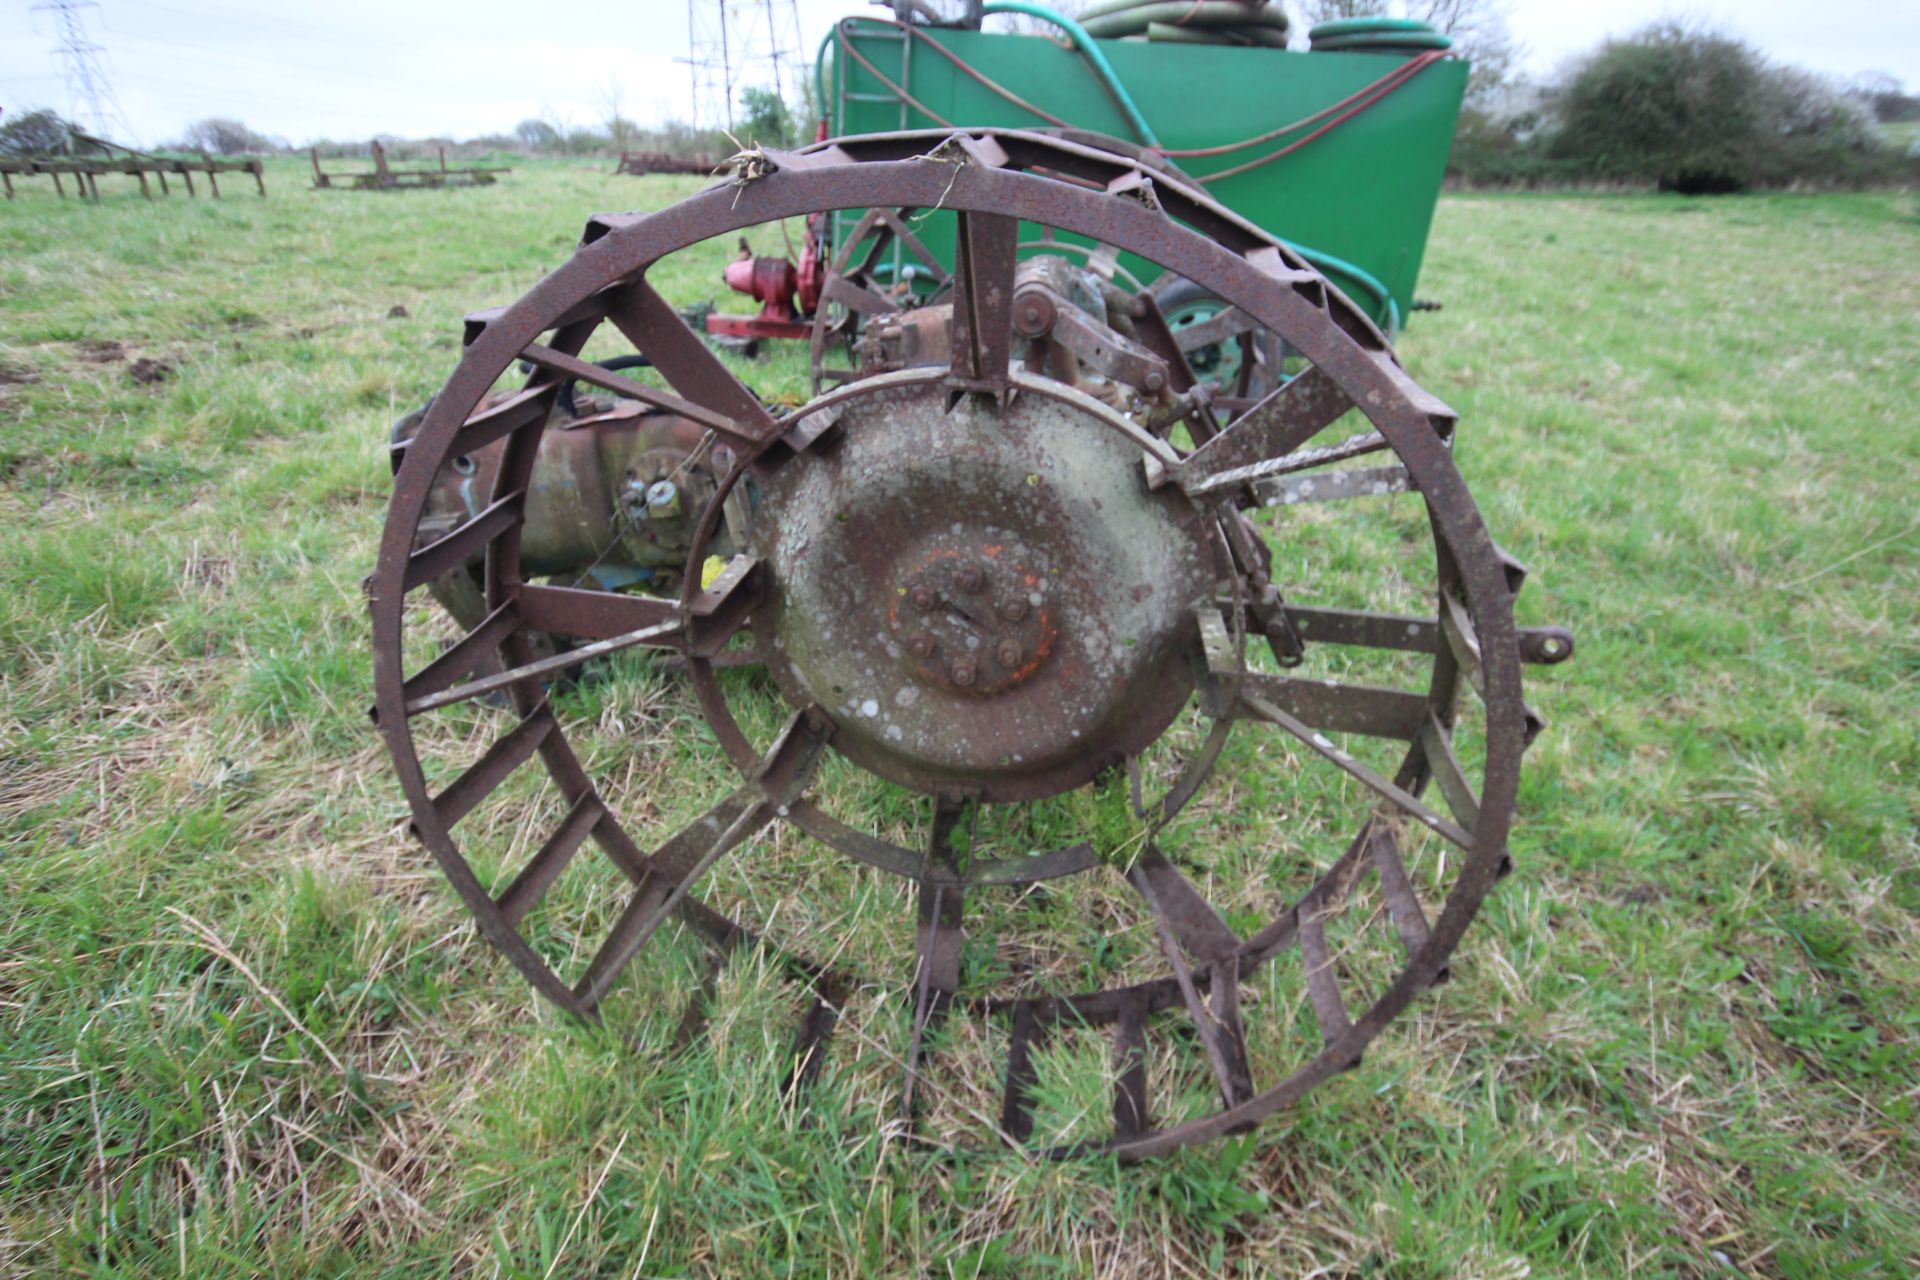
x=245 y=1029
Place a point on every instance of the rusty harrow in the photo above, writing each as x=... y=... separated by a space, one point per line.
x=1004 y=559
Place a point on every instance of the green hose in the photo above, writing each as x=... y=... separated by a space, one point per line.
x=1091 y=52
x=1326 y=262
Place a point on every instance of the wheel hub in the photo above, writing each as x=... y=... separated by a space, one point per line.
x=974 y=618
x=1015 y=644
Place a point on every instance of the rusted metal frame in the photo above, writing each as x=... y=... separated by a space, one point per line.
x=1300 y=460
x=1229 y=322
x=689 y=854
x=1409 y=634
x=1132 y=1115
x=1323 y=987
x=464 y=543
x=584 y=371
x=1476 y=877
x=1027 y=1038
x=664 y=635
x=909 y=865
x=1157 y=336
x=492 y=769
x=939 y=937
x=461 y=659
x=689 y=365
x=1334 y=486
x=1396 y=886
x=1318 y=704
x=587 y=614
x=813 y=1035
x=1280 y=423
x=984 y=262
x=1187 y=925
x=1436 y=742
x=1364 y=709
x=1105 y=351
x=1260 y=708
x=552 y=858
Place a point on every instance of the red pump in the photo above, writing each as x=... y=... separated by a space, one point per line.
x=787 y=294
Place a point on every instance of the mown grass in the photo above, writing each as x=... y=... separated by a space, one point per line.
x=247 y=1031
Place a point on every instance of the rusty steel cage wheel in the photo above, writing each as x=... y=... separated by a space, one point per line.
x=990 y=588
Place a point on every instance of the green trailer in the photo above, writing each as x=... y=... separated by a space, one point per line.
x=1340 y=154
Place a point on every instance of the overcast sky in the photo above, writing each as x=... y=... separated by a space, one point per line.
x=353 y=68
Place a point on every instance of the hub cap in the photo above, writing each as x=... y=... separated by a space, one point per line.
x=989 y=601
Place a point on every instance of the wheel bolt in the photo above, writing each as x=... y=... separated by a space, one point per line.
x=921 y=646
x=963 y=672
x=1009 y=654
x=1013 y=610
x=923 y=598
x=971 y=578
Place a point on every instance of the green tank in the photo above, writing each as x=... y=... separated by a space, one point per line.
x=1356 y=198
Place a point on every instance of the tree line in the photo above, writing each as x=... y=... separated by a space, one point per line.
x=1688 y=109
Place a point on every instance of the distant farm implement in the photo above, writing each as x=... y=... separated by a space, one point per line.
x=1110 y=481
x=384 y=177
x=96 y=158
x=640 y=163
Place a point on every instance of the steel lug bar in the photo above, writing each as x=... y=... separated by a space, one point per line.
x=1029 y=1036
x=690 y=367
x=783 y=773
x=1403 y=904
x=1131 y=1116
x=1448 y=776
x=1260 y=709
x=589 y=615
x=665 y=635
x=1333 y=486
x=938 y=937
x=1336 y=707
x=476 y=649
x=493 y=768
x=1218 y=1024
x=724 y=606
x=983 y=304
x=463 y=544
x=1287 y=464
x=810 y=1041
x=552 y=858
x=1323 y=988
x=1279 y=423
x=522 y=409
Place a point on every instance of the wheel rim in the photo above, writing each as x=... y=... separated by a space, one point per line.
x=986 y=180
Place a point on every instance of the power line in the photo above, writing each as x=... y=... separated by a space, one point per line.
x=86 y=77
x=720 y=50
